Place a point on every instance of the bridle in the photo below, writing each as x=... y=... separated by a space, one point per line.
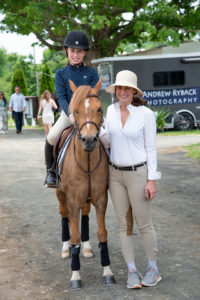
x=78 y=133
x=78 y=130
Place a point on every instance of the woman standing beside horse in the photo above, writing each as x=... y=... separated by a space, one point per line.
x=131 y=129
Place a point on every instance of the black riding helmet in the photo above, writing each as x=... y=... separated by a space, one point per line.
x=76 y=39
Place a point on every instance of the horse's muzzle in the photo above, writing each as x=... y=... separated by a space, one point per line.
x=89 y=143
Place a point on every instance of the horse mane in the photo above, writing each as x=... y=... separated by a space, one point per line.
x=79 y=95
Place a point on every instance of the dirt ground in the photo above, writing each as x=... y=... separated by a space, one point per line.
x=30 y=243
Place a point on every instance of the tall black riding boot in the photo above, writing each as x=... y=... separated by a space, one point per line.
x=51 y=180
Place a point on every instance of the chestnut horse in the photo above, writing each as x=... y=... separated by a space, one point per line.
x=85 y=177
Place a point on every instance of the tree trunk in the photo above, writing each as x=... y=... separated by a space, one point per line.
x=95 y=53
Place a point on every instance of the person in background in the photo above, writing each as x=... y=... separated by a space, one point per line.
x=17 y=105
x=3 y=113
x=46 y=107
x=130 y=132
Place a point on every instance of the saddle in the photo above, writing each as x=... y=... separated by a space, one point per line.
x=60 y=140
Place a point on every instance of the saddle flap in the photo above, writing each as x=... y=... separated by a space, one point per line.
x=61 y=138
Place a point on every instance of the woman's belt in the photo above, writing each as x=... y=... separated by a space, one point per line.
x=128 y=168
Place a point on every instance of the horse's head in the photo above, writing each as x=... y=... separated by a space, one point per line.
x=87 y=111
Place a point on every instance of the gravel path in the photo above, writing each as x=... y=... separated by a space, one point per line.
x=30 y=263
x=166 y=142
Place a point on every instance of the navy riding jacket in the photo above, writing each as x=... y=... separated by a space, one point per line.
x=81 y=75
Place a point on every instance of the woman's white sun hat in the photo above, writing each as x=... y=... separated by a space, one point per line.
x=124 y=78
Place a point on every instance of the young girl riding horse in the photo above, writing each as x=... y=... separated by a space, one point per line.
x=76 y=44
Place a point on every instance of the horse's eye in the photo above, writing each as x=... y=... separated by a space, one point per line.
x=99 y=109
x=75 y=112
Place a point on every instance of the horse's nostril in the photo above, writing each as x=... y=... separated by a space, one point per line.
x=89 y=140
x=95 y=139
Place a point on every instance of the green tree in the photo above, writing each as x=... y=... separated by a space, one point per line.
x=27 y=66
x=46 y=82
x=9 y=63
x=109 y=23
x=19 y=80
x=5 y=78
x=2 y=61
x=54 y=59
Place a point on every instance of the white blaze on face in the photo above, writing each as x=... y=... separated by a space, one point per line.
x=87 y=104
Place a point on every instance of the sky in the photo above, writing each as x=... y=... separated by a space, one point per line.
x=14 y=43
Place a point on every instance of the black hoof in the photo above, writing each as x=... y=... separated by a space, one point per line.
x=109 y=280
x=75 y=284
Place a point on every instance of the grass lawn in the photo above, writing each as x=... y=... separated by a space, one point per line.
x=173 y=132
x=193 y=151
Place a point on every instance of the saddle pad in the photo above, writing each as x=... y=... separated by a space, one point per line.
x=62 y=153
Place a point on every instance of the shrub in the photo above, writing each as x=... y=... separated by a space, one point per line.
x=46 y=81
x=161 y=116
x=19 y=80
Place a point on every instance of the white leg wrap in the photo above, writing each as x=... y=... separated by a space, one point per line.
x=107 y=271
x=65 y=246
x=75 y=275
x=86 y=245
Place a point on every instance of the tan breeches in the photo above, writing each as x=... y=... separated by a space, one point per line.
x=62 y=122
x=127 y=191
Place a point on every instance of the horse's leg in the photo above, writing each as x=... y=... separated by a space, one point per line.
x=65 y=252
x=75 y=281
x=108 y=277
x=86 y=247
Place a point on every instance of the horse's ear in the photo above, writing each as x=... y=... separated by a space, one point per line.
x=97 y=87
x=72 y=86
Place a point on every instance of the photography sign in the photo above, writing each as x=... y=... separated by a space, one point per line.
x=172 y=97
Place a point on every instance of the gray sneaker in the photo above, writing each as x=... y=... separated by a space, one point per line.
x=133 y=281
x=151 y=278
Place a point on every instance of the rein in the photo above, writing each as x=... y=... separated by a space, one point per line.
x=88 y=171
x=78 y=130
